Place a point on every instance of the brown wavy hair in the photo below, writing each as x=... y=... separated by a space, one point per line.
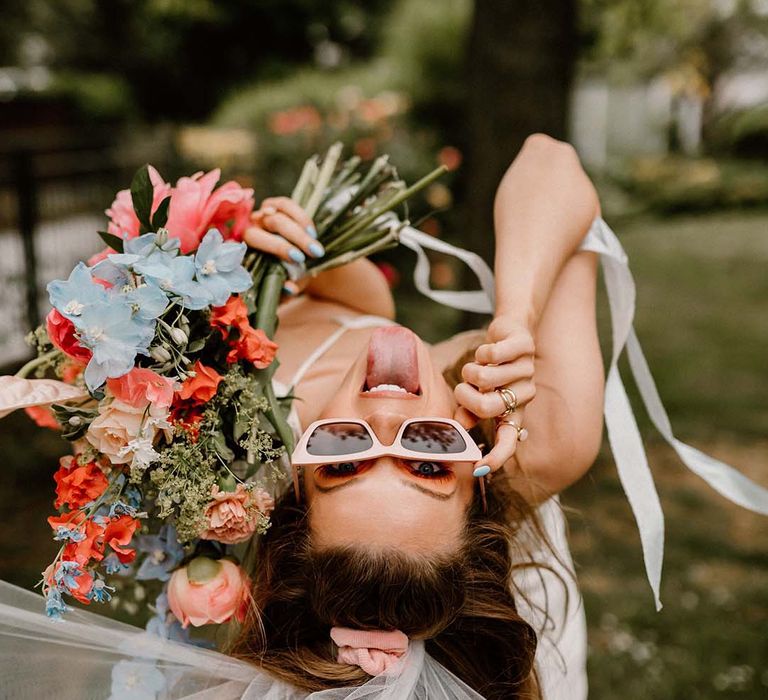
x=462 y=605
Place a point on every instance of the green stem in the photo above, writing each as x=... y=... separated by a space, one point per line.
x=36 y=362
x=324 y=177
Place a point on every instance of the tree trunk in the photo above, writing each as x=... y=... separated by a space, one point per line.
x=521 y=63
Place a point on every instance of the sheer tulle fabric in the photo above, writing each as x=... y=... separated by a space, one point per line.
x=90 y=657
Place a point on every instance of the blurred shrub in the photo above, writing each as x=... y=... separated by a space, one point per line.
x=95 y=97
x=670 y=184
x=742 y=133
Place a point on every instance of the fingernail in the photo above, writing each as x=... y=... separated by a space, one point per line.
x=268 y=211
x=312 y=231
x=289 y=290
x=317 y=250
x=296 y=255
x=481 y=471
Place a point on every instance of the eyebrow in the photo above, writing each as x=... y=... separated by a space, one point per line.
x=411 y=484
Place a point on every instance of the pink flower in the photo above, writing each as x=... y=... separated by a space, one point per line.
x=196 y=207
x=141 y=387
x=208 y=591
x=233 y=516
x=122 y=218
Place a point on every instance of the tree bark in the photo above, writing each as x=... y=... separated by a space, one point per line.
x=521 y=62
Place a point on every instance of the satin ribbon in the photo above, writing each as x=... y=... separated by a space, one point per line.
x=623 y=434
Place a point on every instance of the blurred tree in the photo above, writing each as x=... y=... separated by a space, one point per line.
x=180 y=57
x=521 y=62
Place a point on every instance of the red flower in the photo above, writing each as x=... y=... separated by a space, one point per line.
x=203 y=386
x=61 y=331
x=254 y=346
x=91 y=547
x=119 y=532
x=233 y=314
x=77 y=485
x=83 y=580
x=43 y=416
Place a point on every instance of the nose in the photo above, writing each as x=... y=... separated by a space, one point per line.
x=385 y=424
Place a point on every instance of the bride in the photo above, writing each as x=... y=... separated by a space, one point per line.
x=403 y=562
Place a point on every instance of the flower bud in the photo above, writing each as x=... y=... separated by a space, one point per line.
x=160 y=354
x=161 y=237
x=179 y=336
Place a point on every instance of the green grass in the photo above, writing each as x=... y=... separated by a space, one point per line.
x=702 y=299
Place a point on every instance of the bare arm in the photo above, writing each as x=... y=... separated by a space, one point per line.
x=545 y=321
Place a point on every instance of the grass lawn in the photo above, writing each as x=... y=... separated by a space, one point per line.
x=702 y=300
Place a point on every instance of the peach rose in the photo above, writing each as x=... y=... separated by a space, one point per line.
x=115 y=426
x=233 y=516
x=208 y=591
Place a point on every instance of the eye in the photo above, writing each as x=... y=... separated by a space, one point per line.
x=339 y=470
x=430 y=470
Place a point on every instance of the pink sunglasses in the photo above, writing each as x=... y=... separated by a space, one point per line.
x=336 y=440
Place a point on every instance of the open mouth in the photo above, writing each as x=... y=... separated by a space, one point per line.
x=393 y=366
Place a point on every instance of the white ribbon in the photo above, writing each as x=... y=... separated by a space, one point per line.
x=623 y=433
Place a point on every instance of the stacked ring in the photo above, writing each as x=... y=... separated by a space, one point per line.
x=509 y=398
x=522 y=433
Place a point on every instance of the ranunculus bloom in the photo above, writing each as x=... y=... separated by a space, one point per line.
x=233 y=516
x=234 y=314
x=254 y=346
x=77 y=485
x=141 y=387
x=203 y=386
x=115 y=426
x=207 y=591
x=43 y=416
x=118 y=533
x=196 y=207
x=61 y=331
x=123 y=222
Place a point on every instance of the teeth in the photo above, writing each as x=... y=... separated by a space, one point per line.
x=387 y=387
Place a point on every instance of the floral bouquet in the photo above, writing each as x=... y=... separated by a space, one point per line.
x=165 y=339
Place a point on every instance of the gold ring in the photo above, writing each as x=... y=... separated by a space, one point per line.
x=522 y=433
x=510 y=400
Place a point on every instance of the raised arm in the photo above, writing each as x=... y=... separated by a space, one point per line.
x=543 y=336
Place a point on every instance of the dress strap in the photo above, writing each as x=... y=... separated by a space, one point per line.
x=345 y=323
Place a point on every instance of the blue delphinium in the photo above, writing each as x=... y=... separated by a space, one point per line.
x=177 y=276
x=219 y=267
x=55 y=606
x=163 y=551
x=71 y=297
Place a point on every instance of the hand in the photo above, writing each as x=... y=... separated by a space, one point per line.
x=506 y=360
x=282 y=228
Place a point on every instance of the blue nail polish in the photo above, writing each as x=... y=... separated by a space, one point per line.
x=296 y=255
x=481 y=471
x=312 y=231
x=317 y=250
x=289 y=290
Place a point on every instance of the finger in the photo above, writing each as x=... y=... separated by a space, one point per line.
x=287 y=227
x=292 y=209
x=488 y=404
x=489 y=377
x=505 y=350
x=465 y=418
x=503 y=449
x=290 y=288
x=272 y=244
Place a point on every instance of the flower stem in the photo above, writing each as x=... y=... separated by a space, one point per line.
x=36 y=362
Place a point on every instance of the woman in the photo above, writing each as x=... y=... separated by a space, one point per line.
x=405 y=544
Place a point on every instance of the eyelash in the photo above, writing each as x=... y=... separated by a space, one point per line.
x=330 y=471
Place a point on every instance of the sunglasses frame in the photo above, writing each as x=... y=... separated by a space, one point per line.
x=302 y=457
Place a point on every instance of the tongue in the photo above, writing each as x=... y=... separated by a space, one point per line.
x=392 y=359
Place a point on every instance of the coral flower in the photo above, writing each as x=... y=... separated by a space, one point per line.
x=203 y=386
x=141 y=387
x=91 y=547
x=119 y=533
x=61 y=331
x=43 y=416
x=78 y=485
x=233 y=516
x=208 y=591
x=254 y=346
x=233 y=314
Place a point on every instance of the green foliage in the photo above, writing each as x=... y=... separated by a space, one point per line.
x=101 y=97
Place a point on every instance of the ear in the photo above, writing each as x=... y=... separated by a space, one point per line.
x=465 y=418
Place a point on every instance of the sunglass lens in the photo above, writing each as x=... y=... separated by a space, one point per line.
x=433 y=438
x=339 y=439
